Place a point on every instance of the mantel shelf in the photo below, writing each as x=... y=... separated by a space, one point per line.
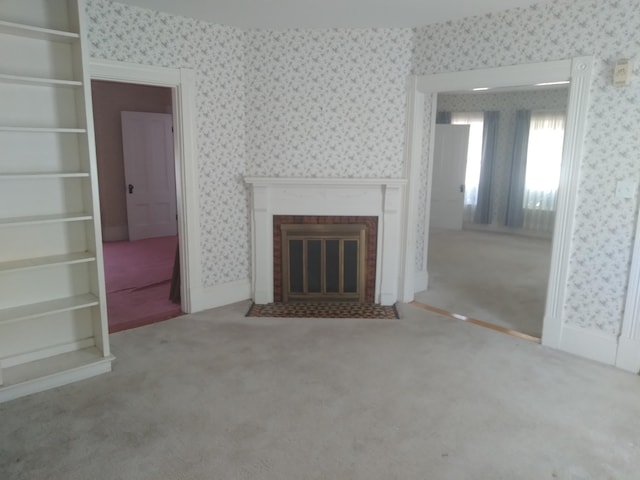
x=18 y=79
x=30 y=263
x=40 y=33
x=35 y=310
x=34 y=176
x=42 y=219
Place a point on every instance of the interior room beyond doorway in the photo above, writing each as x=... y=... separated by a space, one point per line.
x=135 y=156
x=494 y=277
x=493 y=204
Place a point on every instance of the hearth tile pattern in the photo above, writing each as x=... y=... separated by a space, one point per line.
x=323 y=310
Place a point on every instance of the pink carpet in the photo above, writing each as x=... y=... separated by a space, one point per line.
x=138 y=279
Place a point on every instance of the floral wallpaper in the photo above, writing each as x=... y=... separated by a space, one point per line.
x=327 y=103
x=507 y=103
x=332 y=103
x=606 y=29
x=120 y=32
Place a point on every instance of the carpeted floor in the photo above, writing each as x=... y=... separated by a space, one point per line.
x=494 y=277
x=218 y=395
x=322 y=310
x=138 y=279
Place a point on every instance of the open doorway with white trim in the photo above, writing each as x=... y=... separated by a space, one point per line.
x=137 y=185
x=181 y=85
x=493 y=263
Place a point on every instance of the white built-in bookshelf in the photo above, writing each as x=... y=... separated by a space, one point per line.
x=53 y=323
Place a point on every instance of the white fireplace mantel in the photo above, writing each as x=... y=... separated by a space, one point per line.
x=327 y=196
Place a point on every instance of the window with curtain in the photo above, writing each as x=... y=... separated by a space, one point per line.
x=542 y=174
x=475 y=120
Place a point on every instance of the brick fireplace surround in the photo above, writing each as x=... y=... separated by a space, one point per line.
x=322 y=199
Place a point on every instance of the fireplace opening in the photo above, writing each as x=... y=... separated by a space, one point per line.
x=324 y=258
x=323 y=262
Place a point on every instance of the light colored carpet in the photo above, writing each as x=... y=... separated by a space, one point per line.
x=220 y=396
x=494 y=277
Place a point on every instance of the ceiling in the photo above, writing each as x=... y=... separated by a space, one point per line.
x=273 y=14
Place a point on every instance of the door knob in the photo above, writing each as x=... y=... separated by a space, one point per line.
x=461 y=188
x=130 y=188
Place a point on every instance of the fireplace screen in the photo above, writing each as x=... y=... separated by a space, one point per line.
x=323 y=262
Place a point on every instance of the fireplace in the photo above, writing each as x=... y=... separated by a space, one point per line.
x=376 y=203
x=324 y=258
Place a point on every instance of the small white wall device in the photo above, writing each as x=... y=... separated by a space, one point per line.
x=622 y=73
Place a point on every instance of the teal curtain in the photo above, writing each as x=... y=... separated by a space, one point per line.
x=485 y=188
x=515 y=212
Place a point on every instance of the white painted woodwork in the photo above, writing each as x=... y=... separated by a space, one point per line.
x=411 y=282
x=327 y=196
x=53 y=325
x=556 y=333
x=628 y=352
x=29 y=31
x=35 y=310
x=73 y=364
x=17 y=79
x=42 y=219
x=27 y=129
x=147 y=146
x=35 y=57
x=183 y=84
x=449 y=168
x=40 y=262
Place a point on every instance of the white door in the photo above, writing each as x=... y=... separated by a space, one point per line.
x=149 y=169
x=449 y=167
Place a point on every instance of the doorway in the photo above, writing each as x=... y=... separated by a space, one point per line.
x=137 y=184
x=495 y=267
x=493 y=264
x=421 y=113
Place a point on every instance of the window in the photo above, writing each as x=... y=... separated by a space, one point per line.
x=544 y=158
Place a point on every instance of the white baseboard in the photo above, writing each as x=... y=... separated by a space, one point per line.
x=589 y=343
x=421 y=281
x=220 y=295
x=628 y=357
x=388 y=299
x=58 y=379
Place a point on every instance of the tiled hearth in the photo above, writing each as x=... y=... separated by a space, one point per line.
x=327 y=200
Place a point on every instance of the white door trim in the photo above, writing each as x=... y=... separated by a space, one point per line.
x=579 y=71
x=628 y=354
x=182 y=81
